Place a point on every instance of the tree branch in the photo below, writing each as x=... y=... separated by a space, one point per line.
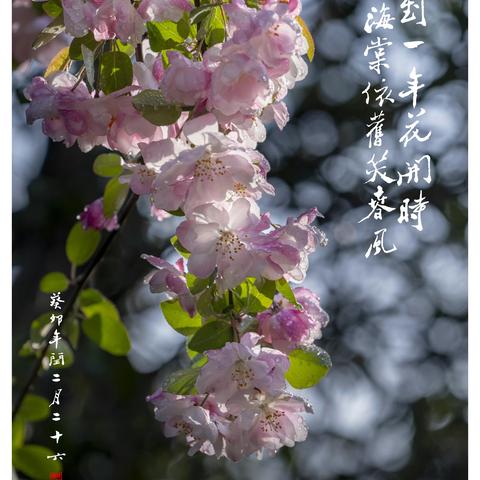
x=97 y=257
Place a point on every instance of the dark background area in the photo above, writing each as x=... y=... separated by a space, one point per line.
x=394 y=406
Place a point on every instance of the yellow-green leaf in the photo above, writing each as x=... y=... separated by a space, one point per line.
x=58 y=62
x=308 y=36
x=179 y=319
x=103 y=324
x=307 y=366
x=32 y=461
x=81 y=244
x=114 y=196
x=54 y=282
x=33 y=408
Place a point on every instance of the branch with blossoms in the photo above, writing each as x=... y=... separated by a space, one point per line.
x=180 y=93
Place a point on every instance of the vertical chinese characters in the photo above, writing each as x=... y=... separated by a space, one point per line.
x=379 y=23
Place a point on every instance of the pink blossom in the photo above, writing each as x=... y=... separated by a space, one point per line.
x=235 y=239
x=277 y=112
x=220 y=236
x=154 y=154
x=127 y=128
x=290 y=7
x=185 y=415
x=215 y=172
x=286 y=249
x=68 y=114
x=94 y=217
x=242 y=367
x=286 y=327
x=107 y=19
x=276 y=43
x=161 y=10
x=185 y=82
x=239 y=84
x=170 y=279
x=265 y=423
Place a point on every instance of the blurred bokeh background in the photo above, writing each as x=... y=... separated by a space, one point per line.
x=394 y=405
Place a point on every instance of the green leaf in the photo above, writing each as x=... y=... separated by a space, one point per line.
x=51 y=31
x=124 y=47
x=32 y=461
x=52 y=8
x=252 y=4
x=152 y=106
x=18 y=432
x=90 y=296
x=284 y=289
x=58 y=62
x=179 y=247
x=54 y=282
x=167 y=35
x=307 y=366
x=254 y=296
x=177 y=213
x=108 y=165
x=197 y=285
x=114 y=196
x=216 y=27
x=102 y=323
x=211 y=336
x=179 y=319
x=34 y=408
x=75 y=51
x=209 y=304
x=308 y=36
x=26 y=350
x=116 y=71
x=182 y=382
x=81 y=244
x=89 y=63
x=199 y=13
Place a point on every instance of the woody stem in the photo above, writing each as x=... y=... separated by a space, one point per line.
x=80 y=283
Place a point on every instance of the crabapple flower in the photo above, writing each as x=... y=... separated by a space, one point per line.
x=287 y=327
x=93 y=217
x=68 y=115
x=107 y=19
x=239 y=83
x=286 y=249
x=243 y=367
x=161 y=10
x=220 y=236
x=215 y=172
x=127 y=128
x=185 y=82
x=72 y=115
x=170 y=279
x=155 y=154
x=191 y=417
x=264 y=423
x=289 y=7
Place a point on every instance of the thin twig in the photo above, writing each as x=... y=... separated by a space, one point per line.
x=127 y=207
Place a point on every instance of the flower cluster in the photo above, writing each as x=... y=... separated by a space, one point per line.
x=186 y=113
x=242 y=80
x=241 y=407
